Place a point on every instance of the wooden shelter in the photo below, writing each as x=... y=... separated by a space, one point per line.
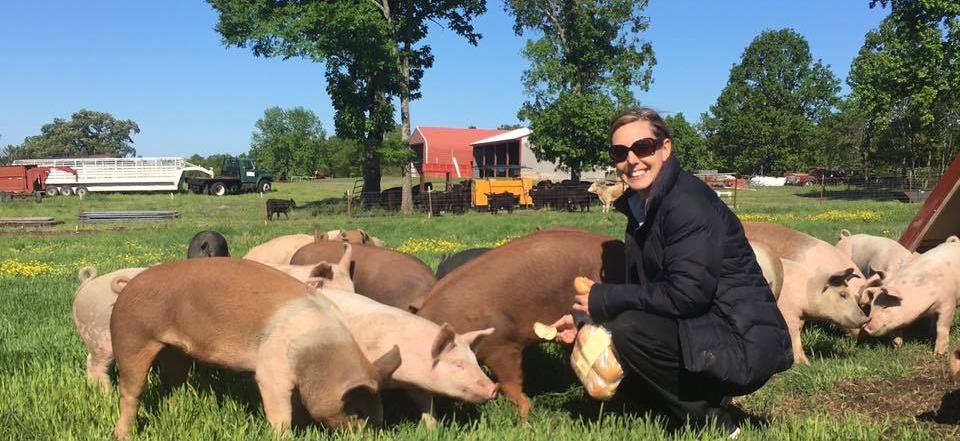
x=939 y=217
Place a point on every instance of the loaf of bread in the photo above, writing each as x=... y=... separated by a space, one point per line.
x=594 y=362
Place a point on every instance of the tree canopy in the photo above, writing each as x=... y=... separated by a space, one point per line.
x=767 y=118
x=86 y=133
x=289 y=142
x=369 y=50
x=906 y=78
x=689 y=146
x=584 y=63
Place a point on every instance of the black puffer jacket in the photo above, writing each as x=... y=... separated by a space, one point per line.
x=690 y=260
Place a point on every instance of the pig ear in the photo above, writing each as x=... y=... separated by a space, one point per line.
x=320 y=273
x=118 y=283
x=875 y=280
x=871 y=293
x=472 y=338
x=343 y=235
x=444 y=342
x=841 y=278
x=844 y=233
x=364 y=237
x=877 y=273
x=952 y=239
x=415 y=305
x=317 y=235
x=388 y=363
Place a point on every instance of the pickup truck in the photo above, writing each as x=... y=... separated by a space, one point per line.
x=238 y=175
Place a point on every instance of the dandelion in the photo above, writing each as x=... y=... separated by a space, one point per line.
x=436 y=246
x=15 y=268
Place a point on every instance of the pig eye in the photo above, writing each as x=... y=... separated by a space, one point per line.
x=458 y=364
x=843 y=294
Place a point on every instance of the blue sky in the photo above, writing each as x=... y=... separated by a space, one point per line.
x=162 y=65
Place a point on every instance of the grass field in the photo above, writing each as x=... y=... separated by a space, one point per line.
x=863 y=392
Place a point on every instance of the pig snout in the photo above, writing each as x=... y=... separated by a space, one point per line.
x=492 y=393
x=483 y=391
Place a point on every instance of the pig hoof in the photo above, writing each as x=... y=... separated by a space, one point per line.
x=428 y=421
x=897 y=342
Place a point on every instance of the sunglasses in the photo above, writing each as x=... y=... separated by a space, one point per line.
x=641 y=148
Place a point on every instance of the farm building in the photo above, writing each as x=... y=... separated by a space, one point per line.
x=482 y=153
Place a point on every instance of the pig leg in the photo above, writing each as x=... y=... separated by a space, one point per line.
x=506 y=364
x=424 y=402
x=944 y=320
x=275 y=390
x=794 y=326
x=98 y=366
x=134 y=366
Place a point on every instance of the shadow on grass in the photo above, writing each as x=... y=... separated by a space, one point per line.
x=948 y=413
x=841 y=194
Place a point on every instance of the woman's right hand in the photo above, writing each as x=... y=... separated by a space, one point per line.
x=566 y=329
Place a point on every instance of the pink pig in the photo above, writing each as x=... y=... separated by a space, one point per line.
x=927 y=286
x=873 y=254
x=435 y=360
x=279 y=249
x=92 y=307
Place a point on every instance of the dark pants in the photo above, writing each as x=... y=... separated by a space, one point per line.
x=648 y=348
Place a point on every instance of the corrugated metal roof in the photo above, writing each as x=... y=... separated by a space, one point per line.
x=508 y=136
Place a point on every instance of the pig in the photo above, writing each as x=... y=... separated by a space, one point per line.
x=452 y=262
x=208 y=244
x=92 y=307
x=435 y=360
x=387 y=276
x=955 y=363
x=509 y=288
x=607 y=193
x=810 y=279
x=279 y=249
x=352 y=236
x=927 y=286
x=873 y=254
x=248 y=317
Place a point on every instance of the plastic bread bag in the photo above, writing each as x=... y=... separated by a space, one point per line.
x=595 y=363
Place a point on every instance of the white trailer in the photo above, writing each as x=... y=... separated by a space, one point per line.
x=115 y=174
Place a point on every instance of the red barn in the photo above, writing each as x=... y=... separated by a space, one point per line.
x=443 y=149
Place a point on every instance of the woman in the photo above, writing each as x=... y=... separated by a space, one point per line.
x=696 y=323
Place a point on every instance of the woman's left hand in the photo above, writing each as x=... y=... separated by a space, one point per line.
x=582 y=299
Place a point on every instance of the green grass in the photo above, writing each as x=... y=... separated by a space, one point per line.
x=44 y=393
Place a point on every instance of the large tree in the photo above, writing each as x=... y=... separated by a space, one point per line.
x=86 y=133
x=907 y=79
x=689 y=146
x=289 y=142
x=585 y=60
x=767 y=118
x=371 y=51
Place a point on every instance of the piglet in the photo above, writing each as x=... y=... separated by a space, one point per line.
x=247 y=317
x=927 y=286
x=92 y=307
x=873 y=254
x=385 y=275
x=509 y=288
x=436 y=360
x=810 y=279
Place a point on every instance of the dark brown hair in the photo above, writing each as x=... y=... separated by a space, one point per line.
x=660 y=129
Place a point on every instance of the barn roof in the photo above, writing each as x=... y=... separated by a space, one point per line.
x=448 y=136
x=508 y=136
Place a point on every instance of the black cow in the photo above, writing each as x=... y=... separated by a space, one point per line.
x=277 y=206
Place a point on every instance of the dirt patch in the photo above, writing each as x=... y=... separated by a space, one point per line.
x=927 y=396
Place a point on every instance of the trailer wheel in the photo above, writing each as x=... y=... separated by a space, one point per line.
x=52 y=191
x=81 y=191
x=66 y=191
x=264 y=186
x=218 y=189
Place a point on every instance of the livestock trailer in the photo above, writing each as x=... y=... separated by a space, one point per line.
x=115 y=174
x=19 y=180
x=517 y=186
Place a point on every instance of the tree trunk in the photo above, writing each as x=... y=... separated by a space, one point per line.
x=406 y=193
x=371 y=171
x=575 y=174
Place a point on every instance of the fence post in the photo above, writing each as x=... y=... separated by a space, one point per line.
x=823 y=187
x=430 y=202
x=349 y=202
x=735 y=185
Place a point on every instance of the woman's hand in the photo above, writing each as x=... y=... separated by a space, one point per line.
x=566 y=329
x=582 y=300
